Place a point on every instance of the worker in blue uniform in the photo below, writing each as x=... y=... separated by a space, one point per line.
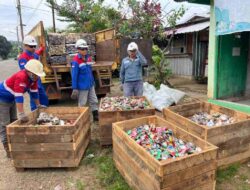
x=83 y=83
x=12 y=96
x=29 y=53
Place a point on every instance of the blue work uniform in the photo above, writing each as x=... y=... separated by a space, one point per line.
x=43 y=98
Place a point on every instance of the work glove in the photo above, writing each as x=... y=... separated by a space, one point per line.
x=40 y=50
x=74 y=94
x=23 y=117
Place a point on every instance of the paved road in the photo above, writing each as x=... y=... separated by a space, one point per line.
x=7 y=68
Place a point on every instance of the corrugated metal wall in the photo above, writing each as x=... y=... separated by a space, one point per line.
x=182 y=66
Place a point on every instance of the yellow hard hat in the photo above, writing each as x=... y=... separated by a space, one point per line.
x=36 y=67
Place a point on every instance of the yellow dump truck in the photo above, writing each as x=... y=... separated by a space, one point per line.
x=105 y=49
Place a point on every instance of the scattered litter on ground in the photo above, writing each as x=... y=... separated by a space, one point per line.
x=90 y=156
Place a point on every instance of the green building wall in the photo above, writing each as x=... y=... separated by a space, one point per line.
x=226 y=73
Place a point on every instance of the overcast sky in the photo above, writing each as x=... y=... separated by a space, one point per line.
x=34 y=11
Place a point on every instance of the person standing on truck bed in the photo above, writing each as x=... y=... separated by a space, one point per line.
x=11 y=96
x=131 y=71
x=83 y=84
x=29 y=53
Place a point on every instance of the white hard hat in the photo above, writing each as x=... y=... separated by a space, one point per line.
x=35 y=67
x=132 y=46
x=81 y=44
x=29 y=40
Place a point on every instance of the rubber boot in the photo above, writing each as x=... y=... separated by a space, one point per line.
x=95 y=115
x=6 y=147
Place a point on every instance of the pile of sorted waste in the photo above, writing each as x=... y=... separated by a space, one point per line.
x=123 y=103
x=161 y=143
x=49 y=119
x=214 y=119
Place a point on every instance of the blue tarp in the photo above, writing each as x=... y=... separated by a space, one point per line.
x=232 y=16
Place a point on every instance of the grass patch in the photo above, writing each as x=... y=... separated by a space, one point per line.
x=243 y=177
x=228 y=173
x=80 y=185
x=93 y=148
x=109 y=176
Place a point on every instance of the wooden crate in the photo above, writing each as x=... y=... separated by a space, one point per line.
x=106 y=118
x=142 y=171
x=50 y=146
x=233 y=140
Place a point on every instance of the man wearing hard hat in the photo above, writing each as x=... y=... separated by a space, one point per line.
x=29 y=53
x=131 y=71
x=83 y=84
x=11 y=95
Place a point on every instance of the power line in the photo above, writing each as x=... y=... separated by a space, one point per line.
x=27 y=7
x=31 y=15
x=36 y=8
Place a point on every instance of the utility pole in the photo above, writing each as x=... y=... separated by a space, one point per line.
x=17 y=35
x=20 y=17
x=53 y=15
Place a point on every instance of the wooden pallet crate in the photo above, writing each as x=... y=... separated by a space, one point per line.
x=106 y=118
x=143 y=172
x=233 y=139
x=37 y=146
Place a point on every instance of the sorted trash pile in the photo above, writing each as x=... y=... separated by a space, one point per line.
x=214 y=119
x=161 y=143
x=49 y=119
x=123 y=103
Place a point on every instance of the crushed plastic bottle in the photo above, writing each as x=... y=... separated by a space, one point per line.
x=123 y=103
x=214 y=119
x=50 y=120
x=161 y=143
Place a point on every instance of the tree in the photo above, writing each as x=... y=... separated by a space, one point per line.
x=87 y=15
x=147 y=21
x=15 y=49
x=144 y=21
x=5 y=47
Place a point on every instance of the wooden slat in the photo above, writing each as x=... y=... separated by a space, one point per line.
x=235 y=150
x=188 y=161
x=41 y=163
x=147 y=181
x=235 y=127
x=190 y=184
x=40 y=146
x=240 y=157
x=82 y=147
x=189 y=173
x=59 y=154
x=53 y=138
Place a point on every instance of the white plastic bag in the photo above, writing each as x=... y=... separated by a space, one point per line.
x=162 y=99
x=148 y=90
x=176 y=95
